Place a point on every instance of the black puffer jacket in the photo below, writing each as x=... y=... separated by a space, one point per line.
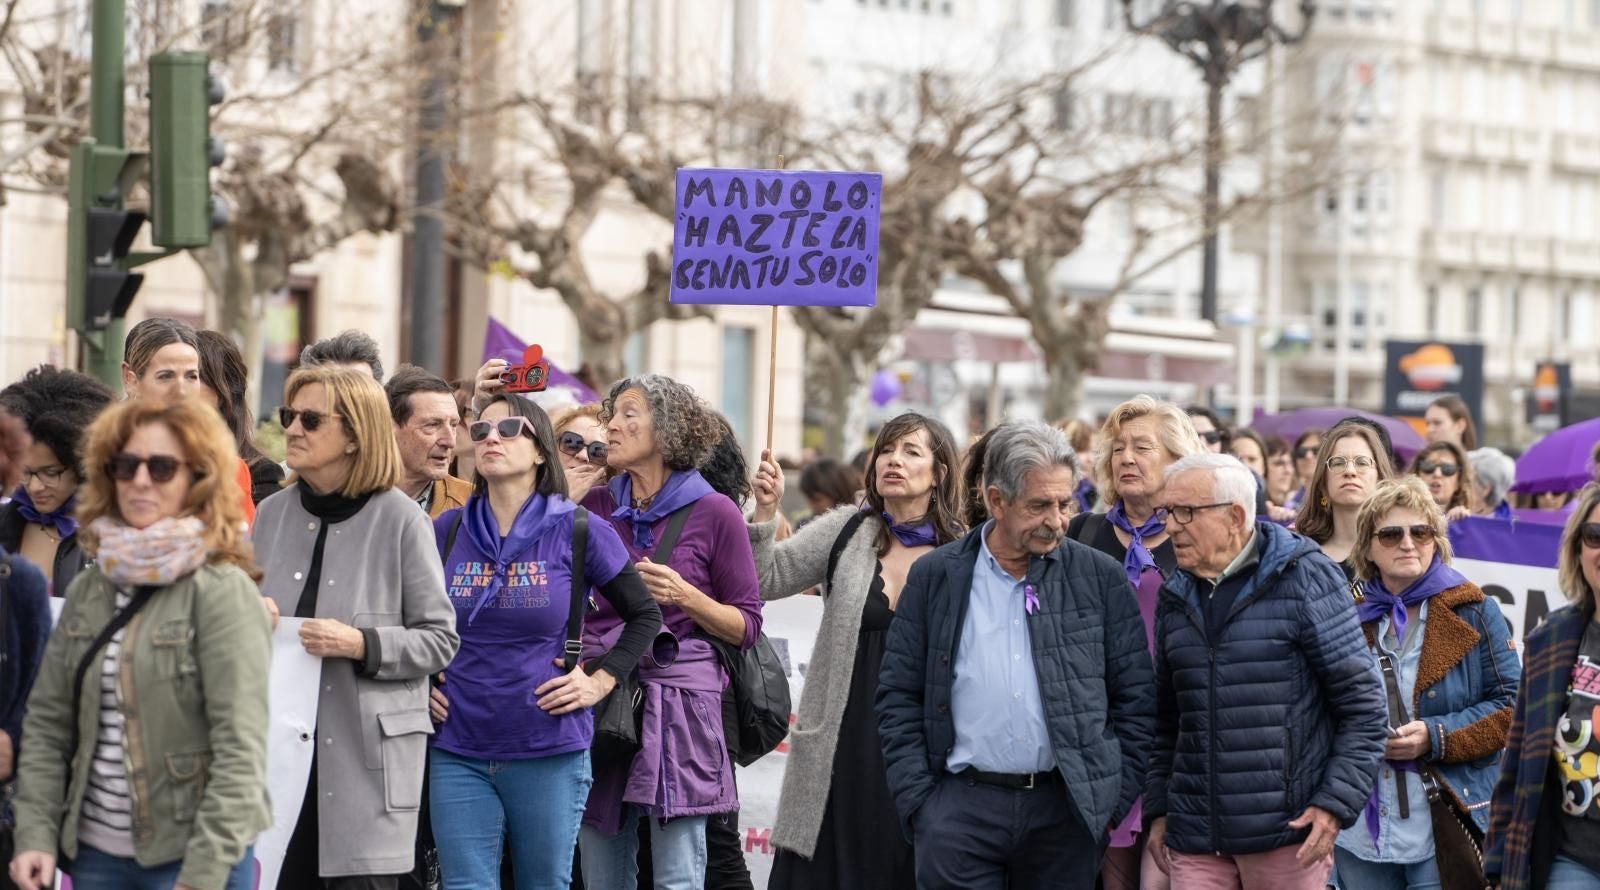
x=1283 y=711
x=1089 y=654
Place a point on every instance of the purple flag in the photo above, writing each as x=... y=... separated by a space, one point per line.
x=499 y=342
x=776 y=237
x=1510 y=541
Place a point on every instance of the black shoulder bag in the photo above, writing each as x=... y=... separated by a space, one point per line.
x=839 y=543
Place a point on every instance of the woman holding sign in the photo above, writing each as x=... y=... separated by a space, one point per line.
x=1544 y=822
x=837 y=825
x=145 y=751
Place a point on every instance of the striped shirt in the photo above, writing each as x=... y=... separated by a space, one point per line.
x=106 y=821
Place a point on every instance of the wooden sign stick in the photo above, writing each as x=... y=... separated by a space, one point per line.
x=772 y=365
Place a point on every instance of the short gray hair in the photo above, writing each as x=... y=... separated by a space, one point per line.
x=1231 y=481
x=344 y=348
x=1017 y=448
x=1492 y=467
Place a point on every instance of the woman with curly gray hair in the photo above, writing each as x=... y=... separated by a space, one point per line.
x=691 y=547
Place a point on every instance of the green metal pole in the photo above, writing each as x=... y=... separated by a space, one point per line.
x=107 y=85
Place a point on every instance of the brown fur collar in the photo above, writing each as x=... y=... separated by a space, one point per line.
x=1446 y=640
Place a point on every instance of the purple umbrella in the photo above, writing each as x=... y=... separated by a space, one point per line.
x=1559 y=461
x=1291 y=424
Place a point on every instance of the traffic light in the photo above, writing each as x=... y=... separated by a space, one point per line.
x=182 y=152
x=99 y=235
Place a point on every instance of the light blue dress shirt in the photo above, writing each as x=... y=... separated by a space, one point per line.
x=999 y=718
x=1399 y=840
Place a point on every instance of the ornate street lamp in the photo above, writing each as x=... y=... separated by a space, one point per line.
x=1218 y=36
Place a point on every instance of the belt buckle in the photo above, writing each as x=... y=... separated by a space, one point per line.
x=1032 y=777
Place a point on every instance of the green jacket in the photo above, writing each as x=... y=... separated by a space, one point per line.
x=193 y=682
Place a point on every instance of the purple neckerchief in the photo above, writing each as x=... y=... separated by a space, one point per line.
x=1138 y=559
x=919 y=534
x=1377 y=601
x=478 y=523
x=1370 y=811
x=1502 y=511
x=682 y=488
x=62 y=518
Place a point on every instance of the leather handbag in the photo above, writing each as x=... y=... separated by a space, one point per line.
x=1457 y=841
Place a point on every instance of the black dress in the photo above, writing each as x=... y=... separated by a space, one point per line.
x=860 y=844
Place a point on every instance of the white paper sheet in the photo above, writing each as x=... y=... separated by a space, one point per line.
x=291 y=740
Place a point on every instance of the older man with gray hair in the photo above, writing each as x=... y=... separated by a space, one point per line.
x=1015 y=697
x=1270 y=713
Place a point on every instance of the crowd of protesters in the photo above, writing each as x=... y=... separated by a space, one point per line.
x=1157 y=653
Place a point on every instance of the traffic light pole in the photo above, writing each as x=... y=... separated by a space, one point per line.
x=102 y=350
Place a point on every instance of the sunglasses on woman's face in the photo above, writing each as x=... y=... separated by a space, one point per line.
x=309 y=420
x=1424 y=468
x=1212 y=437
x=572 y=445
x=1589 y=534
x=505 y=428
x=123 y=467
x=1304 y=452
x=1391 y=536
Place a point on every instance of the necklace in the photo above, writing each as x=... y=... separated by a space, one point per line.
x=50 y=533
x=644 y=503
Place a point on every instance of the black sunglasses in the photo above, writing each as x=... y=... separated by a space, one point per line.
x=573 y=445
x=1212 y=437
x=507 y=427
x=1391 y=536
x=123 y=466
x=1424 y=468
x=1589 y=534
x=1304 y=452
x=309 y=420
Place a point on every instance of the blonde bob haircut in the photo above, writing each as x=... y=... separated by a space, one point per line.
x=363 y=409
x=1400 y=493
x=209 y=454
x=560 y=420
x=1569 y=567
x=1173 y=429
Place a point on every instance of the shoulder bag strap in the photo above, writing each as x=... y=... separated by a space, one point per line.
x=669 y=536
x=851 y=525
x=580 y=589
x=450 y=536
x=141 y=596
x=1090 y=528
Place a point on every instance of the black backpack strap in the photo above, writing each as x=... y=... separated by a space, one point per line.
x=841 y=542
x=1089 y=529
x=580 y=589
x=450 y=536
x=669 y=536
x=141 y=597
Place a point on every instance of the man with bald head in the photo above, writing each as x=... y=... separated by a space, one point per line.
x=1270 y=714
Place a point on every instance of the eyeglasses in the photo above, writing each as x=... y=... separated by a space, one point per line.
x=1212 y=437
x=123 y=467
x=1589 y=534
x=573 y=445
x=1392 y=535
x=505 y=427
x=1305 y=451
x=309 y=420
x=1362 y=462
x=45 y=475
x=1183 y=514
x=1425 y=468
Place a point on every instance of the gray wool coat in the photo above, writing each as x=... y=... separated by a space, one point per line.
x=380 y=571
x=786 y=569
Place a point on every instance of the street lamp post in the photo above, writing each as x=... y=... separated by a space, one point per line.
x=1218 y=36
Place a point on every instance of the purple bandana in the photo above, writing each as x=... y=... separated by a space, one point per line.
x=911 y=534
x=1138 y=559
x=62 y=520
x=682 y=488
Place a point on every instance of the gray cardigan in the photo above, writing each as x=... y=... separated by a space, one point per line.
x=380 y=573
x=786 y=569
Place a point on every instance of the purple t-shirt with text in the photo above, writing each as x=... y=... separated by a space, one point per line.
x=510 y=648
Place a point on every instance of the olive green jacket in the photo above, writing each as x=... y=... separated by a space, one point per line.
x=193 y=686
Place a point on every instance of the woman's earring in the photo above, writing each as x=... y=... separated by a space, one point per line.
x=1323 y=502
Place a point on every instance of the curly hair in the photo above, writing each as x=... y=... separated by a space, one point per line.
x=686 y=428
x=725 y=469
x=13 y=443
x=56 y=406
x=208 y=449
x=1401 y=492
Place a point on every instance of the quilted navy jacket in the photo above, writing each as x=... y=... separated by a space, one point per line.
x=1283 y=711
x=1089 y=654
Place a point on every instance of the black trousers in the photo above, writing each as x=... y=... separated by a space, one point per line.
x=971 y=836
x=301 y=870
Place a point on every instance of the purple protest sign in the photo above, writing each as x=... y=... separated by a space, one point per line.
x=776 y=237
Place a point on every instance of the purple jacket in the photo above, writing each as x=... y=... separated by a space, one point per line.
x=683 y=767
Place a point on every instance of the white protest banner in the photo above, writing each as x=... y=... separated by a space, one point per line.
x=291 y=740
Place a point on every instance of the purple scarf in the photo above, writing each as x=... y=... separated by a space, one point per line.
x=918 y=534
x=1138 y=559
x=62 y=519
x=1376 y=602
x=477 y=522
x=682 y=488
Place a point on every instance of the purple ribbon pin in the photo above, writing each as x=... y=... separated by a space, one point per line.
x=1030 y=599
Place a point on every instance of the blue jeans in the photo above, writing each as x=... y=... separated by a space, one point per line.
x=94 y=870
x=537 y=803
x=1570 y=874
x=1354 y=873
x=677 y=854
